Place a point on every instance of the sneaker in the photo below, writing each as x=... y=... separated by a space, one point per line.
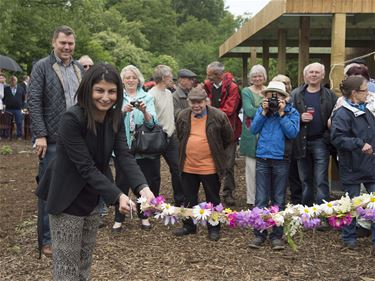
x=213 y=235
x=277 y=244
x=47 y=251
x=351 y=245
x=184 y=231
x=256 y=243
x=117 y=227
x=145 y=224
x=229 y=200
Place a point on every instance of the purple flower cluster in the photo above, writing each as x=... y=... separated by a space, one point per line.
x=309 y=222
x=367 y=214
x=259 y=219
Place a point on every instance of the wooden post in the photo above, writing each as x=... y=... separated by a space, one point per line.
x=266 y=56
x=245 y=67
x=253 y=54
x=281 y=51
x=303 y=46
x=337 y=51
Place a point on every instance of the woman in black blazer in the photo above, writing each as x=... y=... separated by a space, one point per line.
x=80 y=173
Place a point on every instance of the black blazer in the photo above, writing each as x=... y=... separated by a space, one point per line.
x=73 y=167
x=14 y=102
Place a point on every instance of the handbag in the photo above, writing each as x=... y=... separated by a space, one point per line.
x=149 y=140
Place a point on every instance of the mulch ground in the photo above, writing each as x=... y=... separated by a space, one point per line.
x=134 y=254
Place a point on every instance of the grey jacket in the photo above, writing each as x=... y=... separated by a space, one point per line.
x=179 y=101
x=46 y=97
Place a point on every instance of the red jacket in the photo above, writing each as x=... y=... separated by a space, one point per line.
x=229 y=102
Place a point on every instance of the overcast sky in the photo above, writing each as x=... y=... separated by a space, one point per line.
x=240 y=7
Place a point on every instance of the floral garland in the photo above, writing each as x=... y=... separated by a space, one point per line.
x=294 y=218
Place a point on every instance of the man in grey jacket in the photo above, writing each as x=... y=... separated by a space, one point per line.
x=53 y=84
x=185 y=82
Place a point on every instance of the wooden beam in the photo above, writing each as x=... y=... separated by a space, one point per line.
x=303 y=46
x=338 y=51
x=266 y=56
x=281 y=57
x=245 y=67
x=253 y=56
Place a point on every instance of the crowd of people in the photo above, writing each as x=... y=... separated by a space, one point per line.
x=85 y=114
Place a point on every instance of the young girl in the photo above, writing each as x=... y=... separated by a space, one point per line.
x=89 y=132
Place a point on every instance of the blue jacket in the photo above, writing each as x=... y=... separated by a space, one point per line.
x=275 y=133
x=351 y=129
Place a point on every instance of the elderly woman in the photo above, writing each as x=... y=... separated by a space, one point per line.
x=353 y=135
x=251 y=99
x=139 y=108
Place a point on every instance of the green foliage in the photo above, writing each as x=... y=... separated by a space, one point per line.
x=6 y=150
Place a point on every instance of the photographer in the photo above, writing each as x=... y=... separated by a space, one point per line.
x=277 y=123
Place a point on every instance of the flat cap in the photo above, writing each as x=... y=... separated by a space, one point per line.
x=186 y=73
x=197 y=94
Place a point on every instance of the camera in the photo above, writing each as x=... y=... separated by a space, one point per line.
x=136 y=103
x=273 y=103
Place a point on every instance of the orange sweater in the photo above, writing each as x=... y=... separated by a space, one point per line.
x=198 y=154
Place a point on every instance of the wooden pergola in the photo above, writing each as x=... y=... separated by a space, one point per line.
x=328 y=31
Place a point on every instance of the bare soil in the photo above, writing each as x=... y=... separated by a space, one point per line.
x=135 y=254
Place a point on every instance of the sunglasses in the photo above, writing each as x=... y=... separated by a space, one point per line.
x=87 y=66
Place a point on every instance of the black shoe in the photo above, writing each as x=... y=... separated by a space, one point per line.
x=184 y=231
x=256 y=243
x=214 y=235
x=229 y=200
x=116 y=229
x=146 y=226
x=101 y=224
x=277 y=244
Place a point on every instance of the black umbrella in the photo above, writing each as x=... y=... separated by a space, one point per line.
x=9 y=64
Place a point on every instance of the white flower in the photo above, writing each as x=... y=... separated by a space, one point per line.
x=167 y=209
x=278 y=219
x=308 y=211
x=141 y=200
x=201 y=214
x=214 y=219
x=343 y=205
x=327 y=208
x=316 y=209
x=371 y=204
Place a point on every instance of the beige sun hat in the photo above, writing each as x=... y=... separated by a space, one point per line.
x=276 y=86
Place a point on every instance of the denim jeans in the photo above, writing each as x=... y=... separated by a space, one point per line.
x=171 y=157
x=18 y=117
x=314 y=166
x=42 y=206
x=229 y=184
x=271 y=182
x=349 y=233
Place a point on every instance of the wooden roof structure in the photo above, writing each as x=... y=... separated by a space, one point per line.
x=332 y=31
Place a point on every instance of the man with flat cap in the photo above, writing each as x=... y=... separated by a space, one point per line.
x=185 y=82
x=204 y=133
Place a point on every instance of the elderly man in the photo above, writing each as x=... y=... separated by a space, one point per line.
x=224 y=94
x=311 y=147
x=185 y=82
x=14 y=99
x=53 y=84
x=86 y=62
x=203 y=132
x=163 y=102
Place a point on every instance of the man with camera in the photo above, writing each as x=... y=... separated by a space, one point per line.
x=277 y=123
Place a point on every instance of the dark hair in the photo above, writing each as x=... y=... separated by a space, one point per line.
x=352 y=83
x=100 y=72
x=358 y=70
x=63 y=29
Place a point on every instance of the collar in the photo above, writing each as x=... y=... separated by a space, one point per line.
x=219 y=85
x=356 y=111
x=60 y=62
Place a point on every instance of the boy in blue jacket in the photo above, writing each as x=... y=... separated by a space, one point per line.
x=277 y=123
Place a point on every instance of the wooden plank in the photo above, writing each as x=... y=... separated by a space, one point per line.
x=245 y=67
x=338 y=51
x=303 y=46
x=253 y=56
x=281 y=57
x=266 y=56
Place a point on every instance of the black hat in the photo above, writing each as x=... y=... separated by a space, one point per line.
x=186 y=73
x=359 y=61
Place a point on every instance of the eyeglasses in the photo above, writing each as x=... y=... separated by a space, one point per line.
x=87 y=66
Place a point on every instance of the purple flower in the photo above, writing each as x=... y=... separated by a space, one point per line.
x=219 y=208
x=367 y=214
x=339 y=222
x=158 y=200
x=309 y=222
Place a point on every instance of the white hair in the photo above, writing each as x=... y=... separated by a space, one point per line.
x=257 y=69
x=307 y=67
x=136 y=71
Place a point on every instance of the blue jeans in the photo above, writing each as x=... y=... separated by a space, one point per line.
x=42 y=206
x=19 y=120
x=271 y=182
x=171 y=157
x=314 y=166
x=349 y=233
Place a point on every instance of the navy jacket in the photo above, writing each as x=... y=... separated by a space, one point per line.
x=351 y=129
x=275 y=133
x=16 y=101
